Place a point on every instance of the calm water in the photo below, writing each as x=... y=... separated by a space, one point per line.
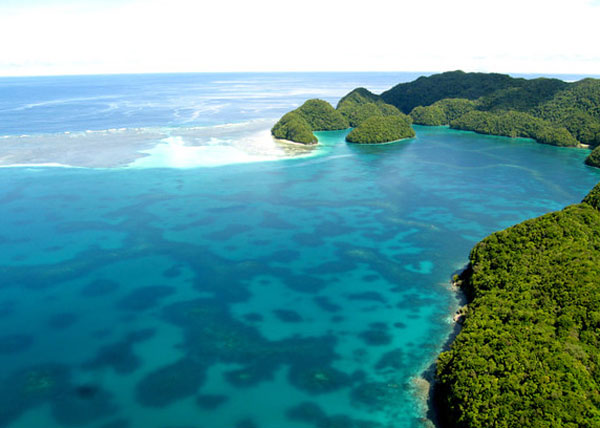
x=304 y=292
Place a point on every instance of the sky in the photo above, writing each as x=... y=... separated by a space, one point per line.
x=50 y=37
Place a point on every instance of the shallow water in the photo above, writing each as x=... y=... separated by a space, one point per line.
x=306 y=292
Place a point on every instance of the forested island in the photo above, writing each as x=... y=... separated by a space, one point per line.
x=549 y=111
x=529 y=350
x=373 y=120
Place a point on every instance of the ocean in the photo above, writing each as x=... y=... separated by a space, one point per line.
x=165 y=264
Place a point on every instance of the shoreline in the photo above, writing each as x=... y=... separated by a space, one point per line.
x=380 y=144
x=284 y=141
x=425 y=382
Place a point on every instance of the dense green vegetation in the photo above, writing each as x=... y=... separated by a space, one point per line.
x=594 y=158
x=361 y=112
x=357 y=96
x=515 y=124
x=523 y=96
x=529 y=351
x=431 y=115
x=360 y=104
x=294 y=127
x=321 y=116
x=314 y=115
x=577 y=108
x=442 y=112
x=453 y=84
x=574 y=107
x=382 y=129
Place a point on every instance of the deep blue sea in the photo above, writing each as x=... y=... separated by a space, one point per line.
x=183 y=270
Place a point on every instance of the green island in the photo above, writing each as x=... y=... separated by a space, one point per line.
x=374 y=121
x=528 y=353
x=381 y=129
x=314 y=115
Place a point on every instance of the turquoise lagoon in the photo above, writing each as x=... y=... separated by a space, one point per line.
x=308 y=291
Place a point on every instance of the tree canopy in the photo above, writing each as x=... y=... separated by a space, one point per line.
x=453 y=84
x=314 y=115
x=321 y=116
x=294 y=127
x=382 y=129
x=529 y=351
x=515 y=124
x=593 y=158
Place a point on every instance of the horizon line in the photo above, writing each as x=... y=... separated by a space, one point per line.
x=429 y=72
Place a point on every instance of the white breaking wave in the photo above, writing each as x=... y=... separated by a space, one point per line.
x=182 y=147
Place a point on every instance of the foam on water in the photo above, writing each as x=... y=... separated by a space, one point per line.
x=173 y=153
x=181 y=147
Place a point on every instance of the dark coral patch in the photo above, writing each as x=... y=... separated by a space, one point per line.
x=120 y=355
x=391 y=360
x=30 y=387
x=246 y=423
x=318 y=380
x=212 y=335
x=253 y=317
x=170 y=383
x=172 y=272
x=117 y=423
x=100 y=287
x=286 y=315
x=377 y=395
x=229 y=232
x=62 y=320
x=284 y=256
x=326 y=304
x=211 y=401
x=81 y=405
x=274 y=221
x=312 y=414
x=376 y=336
x=15 y=343
x=71 y=405
x=337 y=319
x=307 y=412
x=304 y=283
x=251 y=375
x=308 y=239
x=369 y=296
x=143 y=298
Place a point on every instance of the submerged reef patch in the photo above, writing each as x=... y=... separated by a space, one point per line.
x=143 y=298
x=120 y=356
x=170 y=383
x=100 y=287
